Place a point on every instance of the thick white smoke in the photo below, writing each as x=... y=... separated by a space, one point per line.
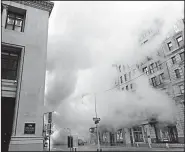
x=85 y=39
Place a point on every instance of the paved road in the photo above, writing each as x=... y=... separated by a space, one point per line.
x=94 y=148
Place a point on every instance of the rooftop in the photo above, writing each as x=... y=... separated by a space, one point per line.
x=43 y=5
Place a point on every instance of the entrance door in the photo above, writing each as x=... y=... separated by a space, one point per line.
x=7 y=115
x=173 y=136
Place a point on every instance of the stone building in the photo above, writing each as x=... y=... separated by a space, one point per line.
x=173 y=48
x=165 y=72
x=23 y=57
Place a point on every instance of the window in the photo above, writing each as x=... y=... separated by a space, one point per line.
x=161 y=78
x=174 y=60
x=9 y=61
x=15 y=21
x=152 y=68
x=158 y=65
x=125 y=75
x=131 y=86
x=154 y=81
x=121 y=80
x=119 y=68
x=181 y=88
x=182 y=56
x=180 y=41
x=170 y=45
x=177 y=73
x=127 y=87
x=138 y=135
x=145 y=70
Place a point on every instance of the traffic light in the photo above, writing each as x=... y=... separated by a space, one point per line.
x=97 y=121
x=49 y=117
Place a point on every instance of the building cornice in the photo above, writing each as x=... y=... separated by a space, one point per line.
x=43 y=5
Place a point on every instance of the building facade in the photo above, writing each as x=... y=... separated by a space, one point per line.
x=165 y=72
x=173 y=48
x=23 y=55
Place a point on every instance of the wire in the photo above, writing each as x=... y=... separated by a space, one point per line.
x=131 y=79
x=81 y=96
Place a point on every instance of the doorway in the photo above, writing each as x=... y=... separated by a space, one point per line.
x=7 y=116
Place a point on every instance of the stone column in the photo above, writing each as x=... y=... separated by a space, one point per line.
x=4 y=15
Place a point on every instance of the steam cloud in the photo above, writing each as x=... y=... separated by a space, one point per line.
x=85 y=39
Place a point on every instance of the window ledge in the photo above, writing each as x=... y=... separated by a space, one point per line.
x=7 y=30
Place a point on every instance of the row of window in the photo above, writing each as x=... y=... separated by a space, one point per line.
x=174 y=58
x=153 y=68
x=179 y=42
x=157 y=80
x=127 y=87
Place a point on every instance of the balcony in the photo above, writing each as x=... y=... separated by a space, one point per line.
x=8 y=88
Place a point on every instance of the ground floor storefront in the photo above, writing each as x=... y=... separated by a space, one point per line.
x=144 y=134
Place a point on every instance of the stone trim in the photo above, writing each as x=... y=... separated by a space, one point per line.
x=43 y=5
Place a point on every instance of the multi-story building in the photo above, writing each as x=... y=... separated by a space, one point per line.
x=173 y=49
x=165 y=72
x=23 y=57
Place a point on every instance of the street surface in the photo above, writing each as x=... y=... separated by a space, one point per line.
x=109 y=148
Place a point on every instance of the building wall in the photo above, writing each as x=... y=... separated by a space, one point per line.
x=170 y=82
x=33 y=40
x=177 y=95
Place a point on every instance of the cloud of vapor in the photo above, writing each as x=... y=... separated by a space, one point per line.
x=85 y=39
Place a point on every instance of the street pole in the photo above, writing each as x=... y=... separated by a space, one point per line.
x=97 y=125
x=49 y=142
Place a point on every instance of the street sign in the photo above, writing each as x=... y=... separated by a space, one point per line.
x=29 y=128
x=96 y=119
x=49 y=117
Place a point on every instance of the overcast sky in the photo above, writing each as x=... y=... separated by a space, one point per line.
x=86 y=38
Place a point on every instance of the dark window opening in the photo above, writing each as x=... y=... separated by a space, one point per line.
x=121 y=80
x=154 y=81
x=127 y=87
x=180 y=41
x=182 y=56
x=125 y=77
x=174 y=60
x=158 y=65
x=9 y=64
x=177 y=73
x=145 y=70
x=181 y=89
x=161 y=78
x=131 y=86
x=153 y=68
x=170 y=45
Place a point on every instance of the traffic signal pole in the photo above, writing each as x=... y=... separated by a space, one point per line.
x=97 y=125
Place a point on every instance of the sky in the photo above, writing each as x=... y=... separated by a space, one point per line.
x=84 y=40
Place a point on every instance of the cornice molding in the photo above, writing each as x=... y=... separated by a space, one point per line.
x=40 y=4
